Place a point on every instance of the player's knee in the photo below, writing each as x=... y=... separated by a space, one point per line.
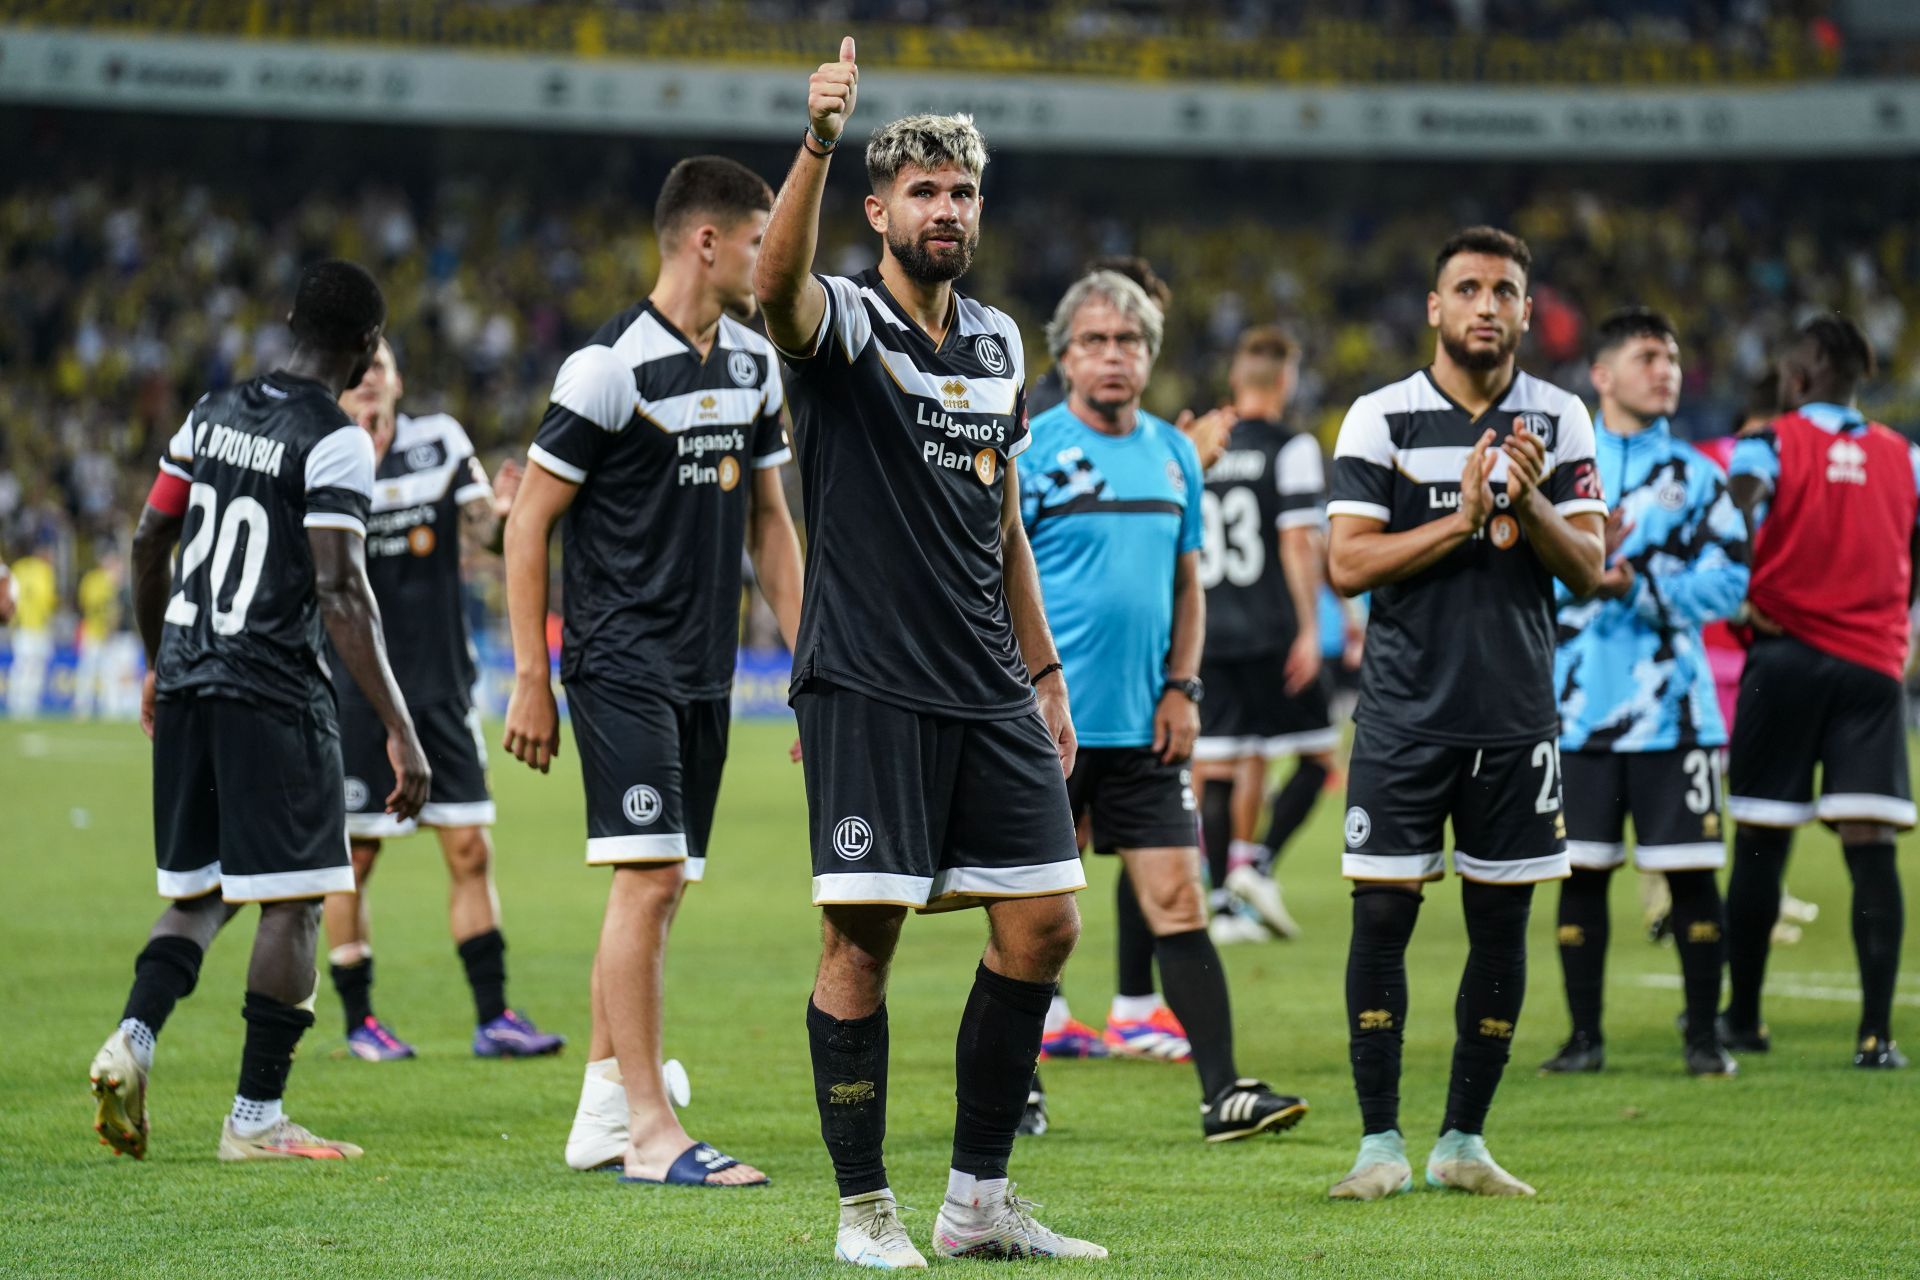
x=364 y=854
x=1864 y=833
x=1773 y=841
x=468 y=852
x=1174 y=905
x=1497 y=916
x=1052 y=936
x=1692 y=890
x=859 y=939
x=1385 y=912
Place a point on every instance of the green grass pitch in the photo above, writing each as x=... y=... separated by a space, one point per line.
x=1801 y=1167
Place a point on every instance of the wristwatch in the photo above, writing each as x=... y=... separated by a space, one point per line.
x=1191 y=686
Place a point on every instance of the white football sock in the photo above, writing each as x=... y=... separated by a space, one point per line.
x=140 y=1038
x=252 y=1117
x=981 y=1195
x=1132 y=1008
x=1058 y=1015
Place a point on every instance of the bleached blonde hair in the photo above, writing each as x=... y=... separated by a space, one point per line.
x=925 y=142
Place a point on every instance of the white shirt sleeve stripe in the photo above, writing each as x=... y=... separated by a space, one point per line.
x=546 y=461
x=343 y=460
x=334 y=520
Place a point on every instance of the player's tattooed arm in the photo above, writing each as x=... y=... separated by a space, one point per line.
x=793 y=302
x=533 y=718
x=1362 y=556
x=1021 y=579
x=352 y=618
x=484 y=519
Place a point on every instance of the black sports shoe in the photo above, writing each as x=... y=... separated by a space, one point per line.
x=1877 y=1054
x=1754 y=1039
x=1033 y=1119
x=1581 y=1052
x=1247 y=1107
x=1710 y=1061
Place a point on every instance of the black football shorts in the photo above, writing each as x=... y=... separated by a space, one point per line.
x=651 y=767
x=931 y=812
x=1673 y=798
x=449 y=734
x=1247 y=711
x=246 y=799
x=1504 y=802
x=1801 y=709
x=1136 y=800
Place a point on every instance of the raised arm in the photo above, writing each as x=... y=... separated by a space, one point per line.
x=793 y=302
x=352 y=619
x=1024 y=602
x=533 y=718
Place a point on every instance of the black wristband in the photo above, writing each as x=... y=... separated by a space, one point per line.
x=1044 y=672
x=808 y=138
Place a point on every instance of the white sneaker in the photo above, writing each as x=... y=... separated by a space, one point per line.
x=119 y=1097
x=1006 y=1230
x=1798 y=910
x=871 y=1234
x=284 y=1141
x=600 y=1135
x=1262 y=893
x=1462 y=1161
x=1228 y=928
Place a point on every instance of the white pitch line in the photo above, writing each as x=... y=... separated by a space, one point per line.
x=1800 y=990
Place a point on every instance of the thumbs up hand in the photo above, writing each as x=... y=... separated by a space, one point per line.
x=831 y=92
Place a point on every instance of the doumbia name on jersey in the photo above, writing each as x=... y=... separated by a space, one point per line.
x=239 y=448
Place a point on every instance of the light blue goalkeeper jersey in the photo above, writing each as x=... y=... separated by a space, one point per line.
x=1631 y=673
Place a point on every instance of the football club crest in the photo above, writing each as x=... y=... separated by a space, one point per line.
x=743 y=368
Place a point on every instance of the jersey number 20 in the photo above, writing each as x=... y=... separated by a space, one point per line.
x=242 y=513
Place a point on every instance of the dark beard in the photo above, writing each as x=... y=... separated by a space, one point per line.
x=926 y=267
x=1479 y=359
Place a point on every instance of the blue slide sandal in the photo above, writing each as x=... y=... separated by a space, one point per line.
x=693 y=1167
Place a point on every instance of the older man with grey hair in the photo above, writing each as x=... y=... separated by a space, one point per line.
x=928 y=691
x=1111 y=501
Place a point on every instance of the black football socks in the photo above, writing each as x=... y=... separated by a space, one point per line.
x=850 y=1088
x=994 y=1054
x=1878 y=920
x=485 y=958
x=1698 y=935
x=1582 y=933
x=1491 y=992
x=1753 y=905
x=1383 y=922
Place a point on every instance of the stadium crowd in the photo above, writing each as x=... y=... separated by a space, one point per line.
x=121 y=301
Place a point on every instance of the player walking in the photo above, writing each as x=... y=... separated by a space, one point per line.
x=274 y=480
x=1640 y=724
x=430 y=495
x=1263 y=566
x=1111 y=497
x=661 y=449
x=1459 y=494
x=1823 y=489
x=934 y=778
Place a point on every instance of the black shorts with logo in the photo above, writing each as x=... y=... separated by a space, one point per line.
x=931 y=812
x=246 y=799
x=1137 y=802
x=1802 y=709
x=1247 y=711
x=1504 y=802
x=449 y=734
x=651 y=768
x=1673 y=798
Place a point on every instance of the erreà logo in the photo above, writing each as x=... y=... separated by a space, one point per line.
x=953 y=394
x=1846 y=463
